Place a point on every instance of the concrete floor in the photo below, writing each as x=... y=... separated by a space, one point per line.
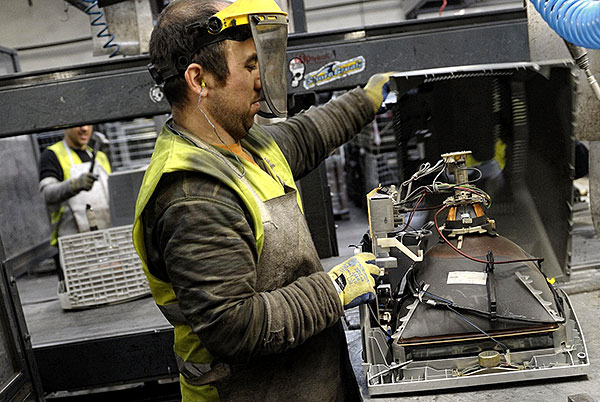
x=584 y=292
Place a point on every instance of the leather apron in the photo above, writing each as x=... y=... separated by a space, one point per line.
x=96 y=197
x=318 y=370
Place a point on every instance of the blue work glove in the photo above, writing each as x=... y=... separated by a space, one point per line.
x=353 y=279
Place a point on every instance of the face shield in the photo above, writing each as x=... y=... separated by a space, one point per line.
x=270 y=38
x=268 y=25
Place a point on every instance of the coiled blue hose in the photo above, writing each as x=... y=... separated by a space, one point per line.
x=104 y=31
x=577 y=21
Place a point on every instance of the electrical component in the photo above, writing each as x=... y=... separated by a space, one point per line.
x=580 y=56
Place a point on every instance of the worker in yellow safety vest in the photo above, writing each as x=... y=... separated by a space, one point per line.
x=219 y=224
x=71 y=178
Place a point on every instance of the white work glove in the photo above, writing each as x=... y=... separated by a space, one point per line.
x=353 y=279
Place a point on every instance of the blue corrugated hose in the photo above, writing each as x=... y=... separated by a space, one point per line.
x=577 y=21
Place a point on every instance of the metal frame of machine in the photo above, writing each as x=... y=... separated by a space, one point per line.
x=120 y=89
x=434 y=375
x=530 y=107
x=20 y=379
x=397 y=360
x=441 y=374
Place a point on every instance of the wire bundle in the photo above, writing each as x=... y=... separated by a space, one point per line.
x=419 y=194
x=438 y=187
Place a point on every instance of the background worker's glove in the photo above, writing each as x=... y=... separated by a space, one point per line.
x=84 y=182
x=353 y=281
x=377 y=88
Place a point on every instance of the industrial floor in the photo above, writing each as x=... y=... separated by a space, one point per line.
x=48 y=324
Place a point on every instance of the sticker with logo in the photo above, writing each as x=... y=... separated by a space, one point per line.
x=334 y=71
x=316 y=58
x=296 y=66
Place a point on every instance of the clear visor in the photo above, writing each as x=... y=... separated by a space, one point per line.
x=270 y=38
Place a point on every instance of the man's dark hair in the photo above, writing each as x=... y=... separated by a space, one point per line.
x=169 y=41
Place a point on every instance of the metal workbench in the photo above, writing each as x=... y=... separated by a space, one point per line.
x=121 y=343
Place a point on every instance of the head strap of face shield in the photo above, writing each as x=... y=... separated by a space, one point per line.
x=202 y=38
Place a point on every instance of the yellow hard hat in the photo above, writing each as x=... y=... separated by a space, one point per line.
x=238 y=14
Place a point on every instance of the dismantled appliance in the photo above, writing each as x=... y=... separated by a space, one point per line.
x=517 y=120
x=474 y=308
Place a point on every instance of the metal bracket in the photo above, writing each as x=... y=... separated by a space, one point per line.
x=389 y=242
x=491 y=285
x=404 y=320
x=536 y=293
x=386 y=262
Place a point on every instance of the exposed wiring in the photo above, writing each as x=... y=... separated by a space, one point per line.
x=438 y=187
x=429 y=208
x=482 y=313
x=438 y=297
x=437 y=228
x=104 y=31
x=436 y=177
x=449 y=305
x=474 y=190
x=444 y=4
x=475 y=169
x=413 y=212
x=414 y=289
x=393 y=366
x=470 y=189
x=424 y=170
x=385 y=331
x=503 y=346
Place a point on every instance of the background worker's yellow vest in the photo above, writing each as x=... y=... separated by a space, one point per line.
x=65 y=163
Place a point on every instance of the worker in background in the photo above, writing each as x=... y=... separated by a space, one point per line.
x=219 y=224
x=76 y=194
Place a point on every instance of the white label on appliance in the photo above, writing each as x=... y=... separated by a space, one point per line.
x=466 y=278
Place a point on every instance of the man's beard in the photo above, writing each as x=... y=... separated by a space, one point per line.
x=235 y=124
